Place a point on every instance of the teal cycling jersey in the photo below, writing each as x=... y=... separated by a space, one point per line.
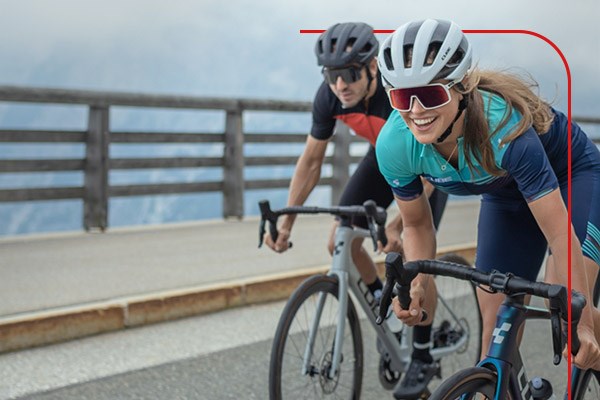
x=528 y=171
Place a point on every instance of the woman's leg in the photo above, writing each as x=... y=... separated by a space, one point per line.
x=585 y=218
x=509 y=240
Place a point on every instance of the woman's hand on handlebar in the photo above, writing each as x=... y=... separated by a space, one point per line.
x=282 y=243
x=589 y=352
x=414 y=314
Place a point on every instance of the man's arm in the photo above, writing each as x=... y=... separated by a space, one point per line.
x=306 y=176
x=419 y=243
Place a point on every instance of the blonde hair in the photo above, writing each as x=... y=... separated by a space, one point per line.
x=518 y=94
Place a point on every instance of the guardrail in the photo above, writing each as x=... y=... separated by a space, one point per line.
x=97 y=163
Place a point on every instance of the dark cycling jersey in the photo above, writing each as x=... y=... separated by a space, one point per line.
x=364 y=122
x=366 y=182
x=508 y=236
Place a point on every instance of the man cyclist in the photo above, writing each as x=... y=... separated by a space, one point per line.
x=352 y=92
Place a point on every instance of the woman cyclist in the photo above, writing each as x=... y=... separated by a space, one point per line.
x=483 y=132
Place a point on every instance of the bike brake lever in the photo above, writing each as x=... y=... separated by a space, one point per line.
x=396 y=272
x=261 y=232
x=393 y=265
x=375 y=224
x=386 y=298
x=373 y=230
x=557 y=338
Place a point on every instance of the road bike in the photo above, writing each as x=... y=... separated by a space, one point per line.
x=501 y=375
x=318 y=348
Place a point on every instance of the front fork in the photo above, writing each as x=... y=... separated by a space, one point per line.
x=342 y=311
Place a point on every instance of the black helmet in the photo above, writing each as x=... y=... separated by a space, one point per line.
x=331 y=47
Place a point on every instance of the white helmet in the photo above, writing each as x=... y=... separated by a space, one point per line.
x=451 y=61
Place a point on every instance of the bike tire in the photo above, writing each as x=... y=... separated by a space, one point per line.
x=461 y=305
x=286 y=380
x=587 y=386
x=468 y=384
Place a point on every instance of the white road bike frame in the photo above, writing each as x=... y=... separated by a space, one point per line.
x=349 y=280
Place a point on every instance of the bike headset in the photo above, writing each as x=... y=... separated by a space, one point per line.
x=345 y=44
x=451 y=62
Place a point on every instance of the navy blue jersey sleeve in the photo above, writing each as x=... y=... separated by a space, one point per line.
x=323 y=121
x=410 y=191
x=526 y=160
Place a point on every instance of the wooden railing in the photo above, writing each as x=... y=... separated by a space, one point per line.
x=97 y=163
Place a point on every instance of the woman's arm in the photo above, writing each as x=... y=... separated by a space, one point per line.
x=419 y=243
x=419 y=232
x=552 y=218
x=395 y=227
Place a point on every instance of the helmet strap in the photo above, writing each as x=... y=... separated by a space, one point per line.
x=462 y=105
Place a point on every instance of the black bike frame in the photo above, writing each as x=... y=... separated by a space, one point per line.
x=503 y=356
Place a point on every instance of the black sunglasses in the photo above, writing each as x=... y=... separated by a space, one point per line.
x=348 y=74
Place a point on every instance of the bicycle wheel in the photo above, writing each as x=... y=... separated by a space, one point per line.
x=587 y=386
x=457 y=320
x=286 y=377
x=468 y=384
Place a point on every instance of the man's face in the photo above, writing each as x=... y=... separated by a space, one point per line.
x=349 y=93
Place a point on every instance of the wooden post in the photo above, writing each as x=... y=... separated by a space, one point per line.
x=341 y=161
x=233 y=166
x=95 y=202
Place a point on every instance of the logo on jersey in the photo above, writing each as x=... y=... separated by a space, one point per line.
x=440 y=180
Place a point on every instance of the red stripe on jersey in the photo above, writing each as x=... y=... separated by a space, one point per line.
x=366 y=126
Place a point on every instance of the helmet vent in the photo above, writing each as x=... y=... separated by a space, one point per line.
x=432 y=51
x=366 y=49
x=387 y=59
x=408 y=50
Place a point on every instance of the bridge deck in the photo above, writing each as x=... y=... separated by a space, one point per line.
x=48 y=275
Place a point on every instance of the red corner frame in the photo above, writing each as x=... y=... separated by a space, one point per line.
x=569 y=171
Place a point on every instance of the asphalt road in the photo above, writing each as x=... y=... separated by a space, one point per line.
x=219 y=356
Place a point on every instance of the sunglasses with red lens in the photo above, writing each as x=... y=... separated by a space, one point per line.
x=430 y=96
x=349 y=74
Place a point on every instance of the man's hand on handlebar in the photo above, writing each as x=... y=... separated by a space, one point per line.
x=278 y=238
x=394 y=241
x=282 y=243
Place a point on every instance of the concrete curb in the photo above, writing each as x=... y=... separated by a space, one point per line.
x=67 y=323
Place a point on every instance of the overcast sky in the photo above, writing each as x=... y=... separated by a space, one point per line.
x=253 y=48
x=248 y=48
